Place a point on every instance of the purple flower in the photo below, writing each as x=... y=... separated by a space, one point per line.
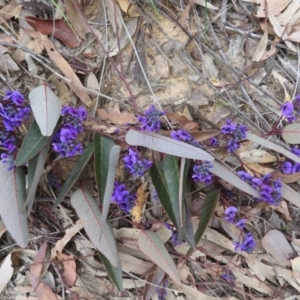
x=230 y=213
x=247 y=245
x=15 y=96
x=123 y=198
x=175 y=240
x=244 y=175
x=296 y=151
x=161 y=291
x=241 y=224
x=9 y=160
x=201 y=172
x=229 y=127
x=287 y=167
x=184 y=136
x=213 y=141
x=136 y=166
x=287 y=109
x=256 y=183
x=151 y=120
x=229 y=277
x=233 y=144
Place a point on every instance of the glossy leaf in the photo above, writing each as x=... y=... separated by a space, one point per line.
x=12 y=191
x=272 y=146
x=75 y=173
x=46 y=108
x=106 y=163
x=34 y=141
x=99 y=233
x=233 y=179
x=115 y=273
x=291 y=133
x=166 y=145
x=207 y=212
x=35 y=166
x=165 y=178
x=151 y=245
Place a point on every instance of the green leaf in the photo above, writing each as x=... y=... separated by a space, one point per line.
x=115 y=273
x=99 y=232
x=106 y=163
x=32 y=144
x=75 y=173
x=188 y=234
x=35 y=171
x=12 y=191
x=207 y=212
x=151 y=245
x=291 y=133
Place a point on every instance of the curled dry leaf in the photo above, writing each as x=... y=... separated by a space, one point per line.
x=69 y=264
x=11 y=10
x=117 y=117
x=286 y=178
x=276 y=243
x=59 y=28
x=139 y=207
x=257 y=156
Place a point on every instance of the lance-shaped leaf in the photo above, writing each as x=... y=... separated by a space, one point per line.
x=166 y=145
x=99 y=232
x=12 y=191
x=207 y=212
x=233 y=179
x=290 y=194
x=115 y=273
x=151 y=245
x=35 y=171
x=165 y=177
x=291 y=133
x=46 y=108
x=32 y=144
x=272 y=146
x=106 y=163
x=75 y=173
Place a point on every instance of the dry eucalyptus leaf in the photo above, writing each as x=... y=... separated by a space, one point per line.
x=257 y=156
x=276 y=243
x=117 y=118
x=296 y=268
x=286 y=178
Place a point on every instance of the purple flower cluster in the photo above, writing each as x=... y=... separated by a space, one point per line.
x=161 y=291
x=230 y=216
x=270 y=191
x=123 y=198
x=290 y=167
x=136 y=165
x=248 y=243
x=175 y=240
x=64 y=141
x=201 y=172
x=151 y=120
x=12 y=114
x=229 y=277
x=288 y=108
x=236 y=133
x=184 y=136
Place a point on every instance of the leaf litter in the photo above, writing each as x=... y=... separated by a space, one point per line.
x=233 y=76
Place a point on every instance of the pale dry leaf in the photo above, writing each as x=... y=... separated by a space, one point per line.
x=289 y=17
x=283 y=209
x=117 y=118
x=206 y=4
x=276 y=243
x=261 y=47
x=286 y=178
x=37 y=266
x=140 y=203
x=129 y=8
x=254 y=169
x=296 y=245
x=6 y=271
x=126 y=234
x=257 y=156
x=8 y=64
x=69 y=273
x=185 y=274
x=114 y=16
x=92 y=82
x=269 y=6
x=296 y=268
x=133 y=264
x=75 y=84
x=44 y=292
x=70 y=232
x=291 y=195
x=2 y=228
x=283 y=81
x=77 y=18
x=11 y=10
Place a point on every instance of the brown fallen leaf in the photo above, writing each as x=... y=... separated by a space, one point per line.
x=77 y=18
x=182 y=121
x=117 y=117
x=62 y=64
x=286 y=178
x=69 y=264
x=13 y=9
x=59 y=28
x=139 y=207
x=44 y=292
x=201 y=136
x=37 y=266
